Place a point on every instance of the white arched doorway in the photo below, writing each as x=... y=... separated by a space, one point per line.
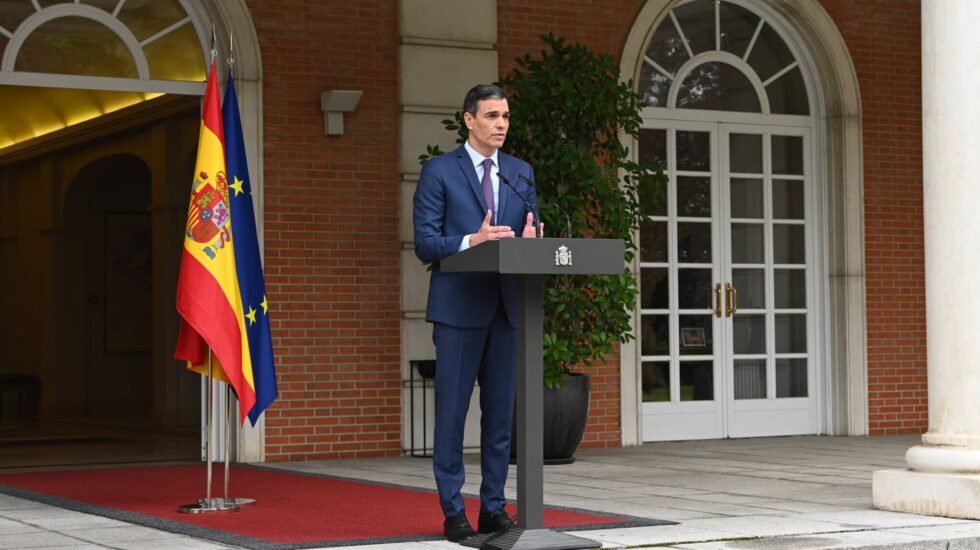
x=751 y=314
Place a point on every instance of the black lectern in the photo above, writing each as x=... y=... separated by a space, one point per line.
x=530 y=260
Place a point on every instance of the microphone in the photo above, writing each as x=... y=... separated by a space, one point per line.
x=536 y=217
x=568 y=220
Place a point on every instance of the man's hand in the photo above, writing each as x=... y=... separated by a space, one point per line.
x=529 y=232
x=491 y=232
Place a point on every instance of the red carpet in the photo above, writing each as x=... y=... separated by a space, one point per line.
x=292 y=510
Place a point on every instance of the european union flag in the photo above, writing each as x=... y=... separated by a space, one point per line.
x=247 y=259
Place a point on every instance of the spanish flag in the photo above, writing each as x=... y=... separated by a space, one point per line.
x=208 y=296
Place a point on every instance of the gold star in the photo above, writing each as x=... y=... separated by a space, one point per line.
x=265 y=305
x=237 y=186
x=251 y=315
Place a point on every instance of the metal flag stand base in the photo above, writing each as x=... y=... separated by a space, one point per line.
x=208 y=504
x=230 y=412
x=203 y=506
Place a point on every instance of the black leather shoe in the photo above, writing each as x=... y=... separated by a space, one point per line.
x=457 y=528
x=493 y=522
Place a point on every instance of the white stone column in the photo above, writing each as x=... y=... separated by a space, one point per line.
x=447 y=46
x=943 y=478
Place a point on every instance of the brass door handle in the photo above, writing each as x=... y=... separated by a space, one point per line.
x=718 y=300
x=731 y=300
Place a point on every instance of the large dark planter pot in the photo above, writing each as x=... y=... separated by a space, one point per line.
x=566 y=412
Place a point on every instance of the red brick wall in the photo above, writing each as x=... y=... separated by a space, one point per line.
x=884 y=40
x=331 y=228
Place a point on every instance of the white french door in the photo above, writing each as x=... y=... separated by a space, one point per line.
x=726 y=283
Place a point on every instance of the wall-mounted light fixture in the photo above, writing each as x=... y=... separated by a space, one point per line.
x=334 y=104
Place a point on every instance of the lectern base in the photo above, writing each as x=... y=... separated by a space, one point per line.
x=533 y=539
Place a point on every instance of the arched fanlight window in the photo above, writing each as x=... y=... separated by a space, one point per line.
x=149 y=40
x=66 y=61
x=719 y=55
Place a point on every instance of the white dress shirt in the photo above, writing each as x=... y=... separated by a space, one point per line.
x=477 y=160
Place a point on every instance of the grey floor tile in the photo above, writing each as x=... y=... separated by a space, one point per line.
x=74 y=521
x=172 y=543
x=13 y=527
x=114 y=535
x=36 y=540
x=878 y=519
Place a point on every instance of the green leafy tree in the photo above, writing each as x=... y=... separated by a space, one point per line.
x=569 y=115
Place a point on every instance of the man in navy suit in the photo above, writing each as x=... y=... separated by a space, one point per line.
x=463 y=199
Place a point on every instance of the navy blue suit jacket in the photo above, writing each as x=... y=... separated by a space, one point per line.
x=449 y=205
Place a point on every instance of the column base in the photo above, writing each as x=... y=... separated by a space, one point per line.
x=928 y=494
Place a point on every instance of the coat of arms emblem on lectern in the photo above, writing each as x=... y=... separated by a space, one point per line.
x=563 y=256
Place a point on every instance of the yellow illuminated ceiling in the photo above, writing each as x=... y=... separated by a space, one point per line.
x=69 y=61
x=30 y=112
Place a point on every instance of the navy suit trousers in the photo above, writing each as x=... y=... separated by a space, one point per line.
x=464 y=356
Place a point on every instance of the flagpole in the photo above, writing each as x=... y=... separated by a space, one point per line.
x=230 y=414
x=208 y=504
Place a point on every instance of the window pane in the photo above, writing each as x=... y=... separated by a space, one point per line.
x=748 y=243
x=656 y=381
x=787 y=94
x=75 y=45
x=653 y=86
x=653 y=242
x=694 y=196
x=788 y=244
x=693 y=151
x=791 y=378
x=751 y=287
x=746 y=198
x=148 y=18
x=769 y=54
x=694 y=289
x=104 y=5
x=790 y=332
x=718 y=87
x=653 y=156
x=737 y=27
x=697 y=381
x=176 y=56
x=14 y=13
x=749 y=333
x=745 y=153
x=789 y=288
x=695 y=334
x=666 y=48
x=694 y=242
x=787 y=155
x=654 y=288
x=655 y=335
x=750 y=378
x=697 y=21
x=787 y=199
x=653 y=147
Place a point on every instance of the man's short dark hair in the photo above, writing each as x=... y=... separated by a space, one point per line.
x=480 y=92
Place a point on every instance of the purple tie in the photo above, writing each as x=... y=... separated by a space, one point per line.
x=488 y=183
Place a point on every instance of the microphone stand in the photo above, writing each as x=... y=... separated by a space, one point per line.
x=562 y=211
x=536 y=217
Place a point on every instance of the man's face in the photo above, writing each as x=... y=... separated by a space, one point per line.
x=488 y=128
